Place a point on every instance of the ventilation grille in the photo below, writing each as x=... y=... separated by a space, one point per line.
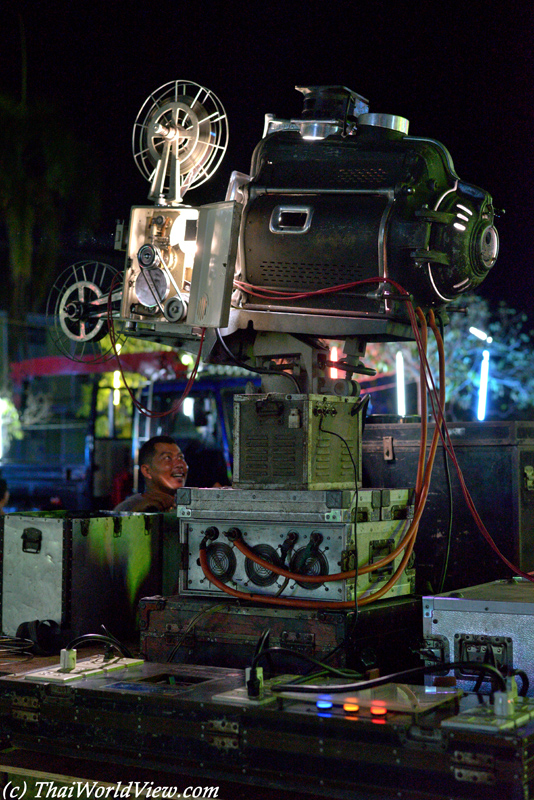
x=325 y=454
x=221 y=561
x=323 y=174
x=305 y=276
x=357 y=176
x=274 y=451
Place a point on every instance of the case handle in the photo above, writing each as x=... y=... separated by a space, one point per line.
x=31 y=540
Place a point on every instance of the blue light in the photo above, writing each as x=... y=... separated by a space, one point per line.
x=401 y=388
x=483 y=390
x=324 y=702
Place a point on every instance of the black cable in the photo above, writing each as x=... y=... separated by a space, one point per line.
x=489 y=658
x=98 y=638
x=397 y=677
x=282 y=587
x=193 y=621
x=354 y=467
x=448 y=543
x=261 y=645
x=258 y=371
x=15 y=646
x=305 y=657
x=347 y=639
x=254 y=683
x=262 y=642
x=447 y=471
x=336 y=650
x=525 y=683
x=363 y=410
x=110 y=635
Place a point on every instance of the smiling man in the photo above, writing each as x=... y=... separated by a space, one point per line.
x=164 y=469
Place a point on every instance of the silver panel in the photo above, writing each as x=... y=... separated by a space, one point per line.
x=214 y=265
x=32 y=581
x=499 y=610
x=167 y=232
x=265 y=518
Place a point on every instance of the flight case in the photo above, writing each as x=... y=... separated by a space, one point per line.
x=497 y=461
x=225 y=633
x=81 y=571
x=190 y=719
x=492 y=622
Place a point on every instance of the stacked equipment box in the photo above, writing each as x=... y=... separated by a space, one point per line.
x=81 y=571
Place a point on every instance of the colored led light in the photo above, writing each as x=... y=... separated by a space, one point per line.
x=483 y=390
x=324 y=704
x=378 y=711
x=401 y=388
x=350 y=707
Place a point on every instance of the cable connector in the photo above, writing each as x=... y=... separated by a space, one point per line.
x=254 y=682
x=232 y=534
x=67 y=660
x=504 y=702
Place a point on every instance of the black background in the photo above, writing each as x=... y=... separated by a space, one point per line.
x=461 y=73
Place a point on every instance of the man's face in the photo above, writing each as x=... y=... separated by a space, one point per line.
x=167 y=471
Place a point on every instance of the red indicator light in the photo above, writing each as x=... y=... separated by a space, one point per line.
x=378 y=711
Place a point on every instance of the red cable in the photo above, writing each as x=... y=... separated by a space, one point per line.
x=139 y=406
x=260 y=598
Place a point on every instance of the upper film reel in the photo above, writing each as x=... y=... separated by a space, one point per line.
x=179 y=139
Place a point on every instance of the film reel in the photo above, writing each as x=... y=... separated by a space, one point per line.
x=78 y=304
x=179 y=139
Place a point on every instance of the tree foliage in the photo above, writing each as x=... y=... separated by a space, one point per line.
x=45 y=190
x=511 y=376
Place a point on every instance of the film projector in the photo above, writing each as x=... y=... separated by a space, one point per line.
x=343 y=219
x=343 y=223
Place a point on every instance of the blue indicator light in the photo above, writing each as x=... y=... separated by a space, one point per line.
x=324 y=704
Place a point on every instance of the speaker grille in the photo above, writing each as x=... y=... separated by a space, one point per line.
x=258 y=574
x=221 y=561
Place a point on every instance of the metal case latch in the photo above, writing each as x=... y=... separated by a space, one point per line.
x=31 y=540
x=387 y=444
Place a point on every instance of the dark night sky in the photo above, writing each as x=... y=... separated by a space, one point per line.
x=462 y=73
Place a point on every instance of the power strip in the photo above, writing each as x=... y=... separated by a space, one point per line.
x=482 y=717
x=87 y=668
x=239 y=696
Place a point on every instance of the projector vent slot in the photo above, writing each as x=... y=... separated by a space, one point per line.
x=304 y=276
x=358 y=176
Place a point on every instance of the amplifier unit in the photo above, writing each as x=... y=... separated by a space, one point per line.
x=297 y=441
x=312 y=533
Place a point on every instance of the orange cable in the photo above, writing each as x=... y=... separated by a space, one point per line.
x=423 y=477
x=427 y=474
x=424 y=410
x=260 y=598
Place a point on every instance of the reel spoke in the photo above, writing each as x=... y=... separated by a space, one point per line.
x=77 y=303
x=192 y=120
